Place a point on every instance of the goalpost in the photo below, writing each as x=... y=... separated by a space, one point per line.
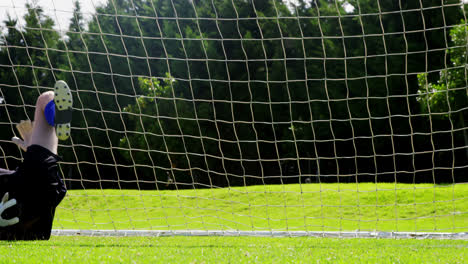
x=269 y=118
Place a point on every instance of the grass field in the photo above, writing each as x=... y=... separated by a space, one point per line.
x=232 y=250
x=326 y=207
x=312 y=207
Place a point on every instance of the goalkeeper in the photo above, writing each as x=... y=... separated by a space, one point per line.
x=32 y=191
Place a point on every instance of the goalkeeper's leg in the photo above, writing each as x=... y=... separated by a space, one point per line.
x=52 y=117
x=43 y=134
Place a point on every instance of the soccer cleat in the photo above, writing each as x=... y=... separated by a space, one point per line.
x=63 y=110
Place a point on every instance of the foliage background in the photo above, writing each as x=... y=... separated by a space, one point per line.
x=190 y=94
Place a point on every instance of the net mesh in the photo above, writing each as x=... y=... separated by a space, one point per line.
x=289 y=116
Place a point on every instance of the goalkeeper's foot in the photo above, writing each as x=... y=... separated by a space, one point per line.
x=63 y=110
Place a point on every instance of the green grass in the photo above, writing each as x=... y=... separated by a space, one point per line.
x=232 y=250
x=327 y=207
x=313 y=207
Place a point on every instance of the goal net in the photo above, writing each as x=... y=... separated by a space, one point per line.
x=300 y=117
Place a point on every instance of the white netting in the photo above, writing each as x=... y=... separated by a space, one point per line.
x=255 y=116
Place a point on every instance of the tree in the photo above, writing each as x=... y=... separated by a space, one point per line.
x=447 y=99
x=233 y=84
x=261 y=55
x=162 y=123
x=32 y=47
x=30 y=53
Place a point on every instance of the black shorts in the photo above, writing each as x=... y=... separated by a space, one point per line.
x=38 y=189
